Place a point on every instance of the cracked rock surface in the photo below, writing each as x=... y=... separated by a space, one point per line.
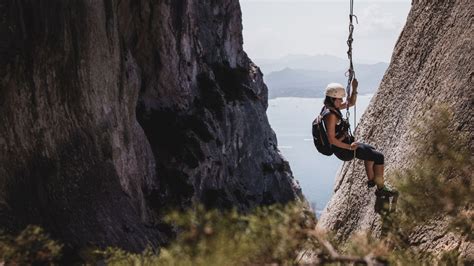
x=113 y=111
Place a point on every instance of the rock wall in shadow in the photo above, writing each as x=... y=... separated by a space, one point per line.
x=113 y=111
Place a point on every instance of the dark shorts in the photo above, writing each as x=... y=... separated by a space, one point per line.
x=364 y=152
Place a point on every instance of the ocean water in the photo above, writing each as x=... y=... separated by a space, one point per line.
x=291 y=119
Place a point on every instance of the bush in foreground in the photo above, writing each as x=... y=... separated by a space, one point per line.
x=437 y=188
x=273 y=234
x=31 y=246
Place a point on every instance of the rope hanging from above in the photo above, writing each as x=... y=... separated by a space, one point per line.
x=350 y=72
x=350 y=77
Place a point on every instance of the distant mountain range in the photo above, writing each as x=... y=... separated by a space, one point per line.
x=307 y=76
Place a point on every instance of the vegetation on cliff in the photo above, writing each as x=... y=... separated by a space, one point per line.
x=438 y=191
x=31 y=246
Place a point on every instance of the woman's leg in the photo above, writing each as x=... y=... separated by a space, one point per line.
x=378 y=173
x=369 y=169
x=343 y=154
x=368 y=153
x=373 y=161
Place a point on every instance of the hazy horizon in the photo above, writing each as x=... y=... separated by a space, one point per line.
x=277 y=28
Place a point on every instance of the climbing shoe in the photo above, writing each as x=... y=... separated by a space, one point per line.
x=371 y=183
x=386 y=191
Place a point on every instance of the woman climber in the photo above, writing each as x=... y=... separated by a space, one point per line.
x=343 y=144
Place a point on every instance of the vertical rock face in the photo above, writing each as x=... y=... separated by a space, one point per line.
x=111 y=111
x=431 y=65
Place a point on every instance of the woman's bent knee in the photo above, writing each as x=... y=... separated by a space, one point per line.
x=379 y=158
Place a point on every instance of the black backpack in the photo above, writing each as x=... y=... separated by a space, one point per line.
x=320 y=136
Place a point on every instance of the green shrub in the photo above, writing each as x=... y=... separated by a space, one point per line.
x=30 y=246
x=440 y=182
x=437 y=187
x=273 y=234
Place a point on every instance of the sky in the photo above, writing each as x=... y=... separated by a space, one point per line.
x=276 y=28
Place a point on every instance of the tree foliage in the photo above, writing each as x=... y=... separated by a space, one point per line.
x=436 y=191
x=440 y=182
x=271 y=234
x=30 y=246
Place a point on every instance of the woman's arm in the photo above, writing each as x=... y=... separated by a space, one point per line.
x=352 y=100
x=331 y=121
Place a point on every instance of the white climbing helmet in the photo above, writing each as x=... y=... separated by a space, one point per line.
x=335 y=90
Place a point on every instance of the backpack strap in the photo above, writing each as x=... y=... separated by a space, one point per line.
x=325 y=111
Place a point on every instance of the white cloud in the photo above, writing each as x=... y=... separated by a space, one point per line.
x=374 y=19
x=277 y=28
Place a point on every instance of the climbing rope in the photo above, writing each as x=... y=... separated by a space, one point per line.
x=350 y=77
x=350 y=72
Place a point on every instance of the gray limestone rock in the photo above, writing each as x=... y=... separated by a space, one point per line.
x=113 y=111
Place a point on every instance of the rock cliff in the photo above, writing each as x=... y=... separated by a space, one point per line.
x=431 y=65
x=113 y=111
